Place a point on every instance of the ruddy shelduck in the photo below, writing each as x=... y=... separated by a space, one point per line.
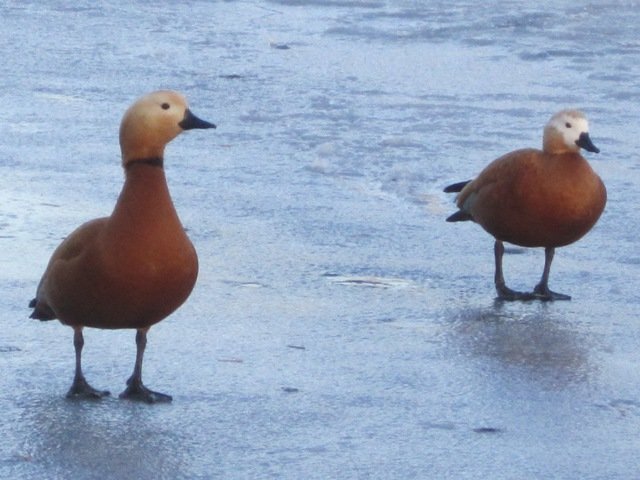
x=135 y=267
x=536 y=198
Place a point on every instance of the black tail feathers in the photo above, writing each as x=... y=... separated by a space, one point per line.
x=456 y=187
x=41 y=312
x=459 y=216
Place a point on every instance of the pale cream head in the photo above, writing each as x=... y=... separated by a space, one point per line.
x=567 y=131
x=150 y=123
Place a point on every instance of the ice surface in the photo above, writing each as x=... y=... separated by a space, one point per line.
x=339 y=328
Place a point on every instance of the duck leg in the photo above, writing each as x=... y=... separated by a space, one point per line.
x=80 y=388
x=135 y=389
x=504 y=292
x=541 y=290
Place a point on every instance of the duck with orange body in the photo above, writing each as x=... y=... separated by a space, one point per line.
x=536 y=198
x=137 y=266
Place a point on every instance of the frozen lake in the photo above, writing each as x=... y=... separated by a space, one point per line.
x=339 y=328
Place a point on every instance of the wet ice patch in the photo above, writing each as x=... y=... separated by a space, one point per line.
x=369 y=281
x=238 y=283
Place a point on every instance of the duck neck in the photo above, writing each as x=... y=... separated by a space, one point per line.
x=145 y=195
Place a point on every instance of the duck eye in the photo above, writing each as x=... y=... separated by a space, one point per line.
x=165 y=106
x=568 y=125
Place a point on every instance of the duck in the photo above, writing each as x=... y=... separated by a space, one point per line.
x=545 y=198
x=134 y=268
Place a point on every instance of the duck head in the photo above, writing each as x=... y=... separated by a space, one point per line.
x=568 y=131
x=153 y=121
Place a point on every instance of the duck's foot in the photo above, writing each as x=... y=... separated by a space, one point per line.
x=137 y=392
x=81 y=390
x=506 y=294
x=542 y=292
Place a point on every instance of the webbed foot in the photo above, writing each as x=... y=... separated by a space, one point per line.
x=81 y=390
x=542 y=292
x=137 y=392
x=506 y=294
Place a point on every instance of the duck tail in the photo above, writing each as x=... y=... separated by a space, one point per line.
x=459 y=216
x=41 y=311
x=456 y=187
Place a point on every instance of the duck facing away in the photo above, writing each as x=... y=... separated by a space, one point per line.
x=135 y=267
x=536 y=198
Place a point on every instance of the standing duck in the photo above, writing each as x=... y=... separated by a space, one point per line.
x=135 y=267
x=536 y=198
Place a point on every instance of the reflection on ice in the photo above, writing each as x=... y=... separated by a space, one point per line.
x=540 y=345
x=104 y=439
